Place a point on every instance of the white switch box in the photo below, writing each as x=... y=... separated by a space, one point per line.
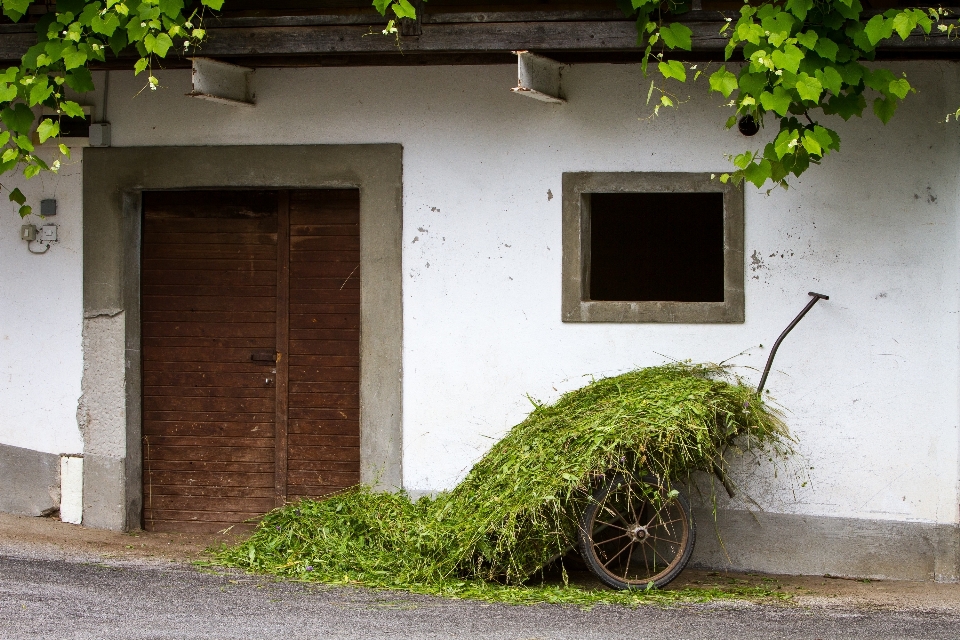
x=99 y=135
x=48 y=233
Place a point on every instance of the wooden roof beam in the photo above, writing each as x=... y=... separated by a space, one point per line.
x=488 y=37
x=461 y=42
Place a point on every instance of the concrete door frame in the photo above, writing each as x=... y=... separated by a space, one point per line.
x=113 y=181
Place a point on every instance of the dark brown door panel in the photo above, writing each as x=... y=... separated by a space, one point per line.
x=251 y=349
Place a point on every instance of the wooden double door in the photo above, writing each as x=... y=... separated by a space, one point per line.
x=250 y=307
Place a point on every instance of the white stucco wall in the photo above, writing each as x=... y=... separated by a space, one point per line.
x=41 y=312
x=870 y=378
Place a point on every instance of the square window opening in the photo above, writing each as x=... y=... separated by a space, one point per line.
x=656 y=247
x=652 y=246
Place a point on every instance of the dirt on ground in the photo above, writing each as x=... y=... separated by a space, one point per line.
x=48 y=538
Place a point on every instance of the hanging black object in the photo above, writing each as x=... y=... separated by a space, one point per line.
x=748 y=125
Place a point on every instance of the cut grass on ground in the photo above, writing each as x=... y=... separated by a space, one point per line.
x=519 y=507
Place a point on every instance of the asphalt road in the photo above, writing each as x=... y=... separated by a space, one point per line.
x=44 y=598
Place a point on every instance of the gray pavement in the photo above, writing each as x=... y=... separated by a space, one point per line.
x=70 y=599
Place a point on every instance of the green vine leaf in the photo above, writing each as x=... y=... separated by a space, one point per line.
x=72 y=109
x=24 y=143
x=48 y=129
x=105 y=25
x=884 y=108
x=878 y=28
x=809 y=88
x=758 y=173
x=17 y=196
x=18 y=118
x=172 y=8
x=808 y=39
x=400 y=9
x=900 y=88
x=827 y=48
x=811 y=145
x=904 y=24
x=723 y=82
x=677 y=36
x=674 y=69
x=799 y=8
x=830 y=79
x=828 y=139
x=785 y=143
x=779 y=101
x=846 y=106
x=403 y=9
x=80 y=80
x=162 y=44
x=73 y=58
x=15 y=9
x=788 y=58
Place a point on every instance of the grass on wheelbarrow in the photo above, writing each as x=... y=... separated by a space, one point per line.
x=518 y=508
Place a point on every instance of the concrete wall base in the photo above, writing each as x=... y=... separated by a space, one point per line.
x=818 y=545
x=29 y=481
x=104 y=498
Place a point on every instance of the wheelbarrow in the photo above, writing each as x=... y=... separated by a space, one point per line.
x=637 y=532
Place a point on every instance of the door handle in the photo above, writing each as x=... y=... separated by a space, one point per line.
x=264 y=357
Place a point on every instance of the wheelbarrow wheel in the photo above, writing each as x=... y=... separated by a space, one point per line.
x=636 y=532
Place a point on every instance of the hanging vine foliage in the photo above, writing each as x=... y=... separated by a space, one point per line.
x=803 y=60
x=79 y=33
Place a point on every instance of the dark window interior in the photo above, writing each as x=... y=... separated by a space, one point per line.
x=656 y=247
x=71 y=127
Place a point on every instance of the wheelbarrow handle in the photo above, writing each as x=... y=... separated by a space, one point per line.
x=724 y=479
x=776 y=345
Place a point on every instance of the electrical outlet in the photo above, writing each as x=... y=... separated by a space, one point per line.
x=28 y=232
x=48 y=233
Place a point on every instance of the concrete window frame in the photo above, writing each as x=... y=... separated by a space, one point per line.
x=576 y=305
x=113 y=182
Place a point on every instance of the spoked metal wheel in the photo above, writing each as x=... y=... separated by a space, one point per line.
x=635 y=532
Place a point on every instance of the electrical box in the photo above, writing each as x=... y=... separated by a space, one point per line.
x=100 y=134
x=28 y=232
x=48 y=233
x=48 y=208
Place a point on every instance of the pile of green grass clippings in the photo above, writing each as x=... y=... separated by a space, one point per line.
x=518 y=507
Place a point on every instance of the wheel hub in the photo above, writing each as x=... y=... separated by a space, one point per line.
x=638 y=532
